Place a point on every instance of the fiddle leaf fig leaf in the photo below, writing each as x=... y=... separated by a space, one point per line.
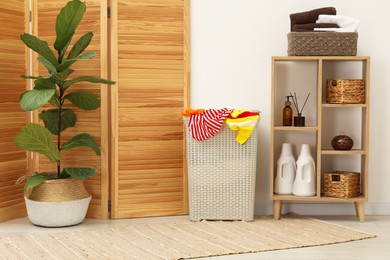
x=50 y=119
x=34 y=181
x=36 y=98
x=83 y=100
x=44 y=83
x=67 y=21
x=83 y=139
x=80 y=173
x=44 y=90
x=36 y=138
x=91 y=79
x=86 y=56
x=80 y=45
x=67 y=63
x=39 y=46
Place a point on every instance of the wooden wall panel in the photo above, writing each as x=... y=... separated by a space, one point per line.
x=150 y=62
x=94 y=122
x=13 y=162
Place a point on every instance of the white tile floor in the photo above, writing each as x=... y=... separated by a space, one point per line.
x=376 y=248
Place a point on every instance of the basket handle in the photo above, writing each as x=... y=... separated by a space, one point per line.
x=335 y=177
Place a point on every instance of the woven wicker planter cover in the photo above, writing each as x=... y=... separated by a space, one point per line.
x=59 y=190
x=58 y=203
x=322 y=44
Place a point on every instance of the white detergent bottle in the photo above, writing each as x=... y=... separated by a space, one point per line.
x=305 y=180
x=285 y=173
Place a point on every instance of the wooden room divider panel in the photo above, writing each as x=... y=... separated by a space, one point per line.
x=139 y=124
x=150 y=63
x=94 y=122
x=13 y=161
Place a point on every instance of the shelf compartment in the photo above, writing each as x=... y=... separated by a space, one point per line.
x=349 y=121
x=342 y=162
x=286 y=80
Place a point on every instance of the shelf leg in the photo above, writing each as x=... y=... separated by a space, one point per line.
x=359 y=208
x=277 y=209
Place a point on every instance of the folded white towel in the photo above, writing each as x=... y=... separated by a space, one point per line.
x=335 y=29
x=346 y=22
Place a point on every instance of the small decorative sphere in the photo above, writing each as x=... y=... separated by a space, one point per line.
x=342 y=142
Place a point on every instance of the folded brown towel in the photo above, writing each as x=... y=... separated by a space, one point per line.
x=309 y=27
x=310 y=16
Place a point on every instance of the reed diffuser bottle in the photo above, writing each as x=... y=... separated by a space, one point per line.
x=299 y=120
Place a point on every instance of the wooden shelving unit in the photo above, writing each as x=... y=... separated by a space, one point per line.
x=304 y=75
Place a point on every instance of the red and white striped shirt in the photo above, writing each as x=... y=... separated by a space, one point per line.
x=208 y=123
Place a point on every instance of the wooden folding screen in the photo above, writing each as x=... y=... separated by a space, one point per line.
x=13 y=162
x=150 y=62
x=94 y=122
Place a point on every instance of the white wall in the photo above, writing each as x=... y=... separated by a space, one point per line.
x=232 y=42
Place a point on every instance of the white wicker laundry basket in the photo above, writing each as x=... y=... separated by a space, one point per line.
x=221 y=176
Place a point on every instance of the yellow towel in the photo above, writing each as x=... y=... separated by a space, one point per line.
x=244 y=125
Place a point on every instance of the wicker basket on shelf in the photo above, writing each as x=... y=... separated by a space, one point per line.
x=345 y=91
x=322 y=43
x=341 y=184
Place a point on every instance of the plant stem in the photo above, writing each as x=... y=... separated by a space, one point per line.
x=61 y=101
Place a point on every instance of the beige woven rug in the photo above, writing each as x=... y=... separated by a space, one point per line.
x=179 y=240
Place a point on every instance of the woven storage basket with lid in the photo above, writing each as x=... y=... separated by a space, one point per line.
x=341 y=184
x=345 y=91
x=57 y=190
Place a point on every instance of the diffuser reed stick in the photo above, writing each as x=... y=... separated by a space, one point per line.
x=295 y=102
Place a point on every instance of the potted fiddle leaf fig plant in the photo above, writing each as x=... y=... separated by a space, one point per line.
x=54 y=96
